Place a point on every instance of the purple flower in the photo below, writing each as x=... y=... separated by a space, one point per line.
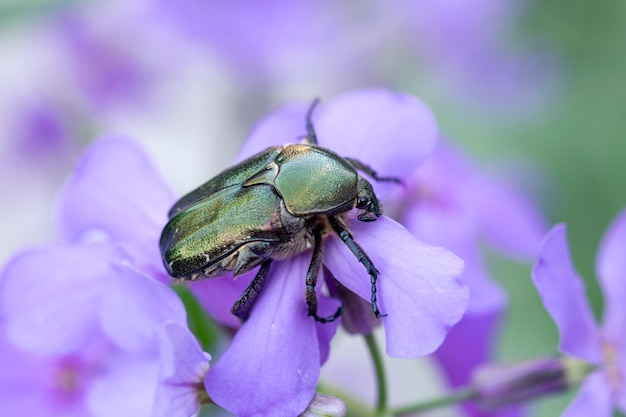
x=460 y=45
x=563 y=295
x=455 y=45
x=82 y=333
x=106 y=71
x=83 y=330
x=270 y=41
x=42 y=134
x=117 y=195
x=450 y=202
x=273 y=363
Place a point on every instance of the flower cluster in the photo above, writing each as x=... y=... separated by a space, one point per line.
x=89 y=326
x=85 y=326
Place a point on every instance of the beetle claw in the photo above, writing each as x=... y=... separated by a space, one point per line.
x=328 y=319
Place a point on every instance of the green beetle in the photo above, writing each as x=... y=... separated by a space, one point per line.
x=274 y=205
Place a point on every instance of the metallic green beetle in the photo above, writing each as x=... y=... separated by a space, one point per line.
x=274 y=205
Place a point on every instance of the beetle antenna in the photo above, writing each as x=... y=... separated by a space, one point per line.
x=370 y=171
x=311 y=137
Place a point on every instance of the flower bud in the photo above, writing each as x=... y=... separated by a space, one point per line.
x=325 y=406
x=501 y=385
x=357 y=317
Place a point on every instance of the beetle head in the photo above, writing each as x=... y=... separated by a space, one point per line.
x=367 y=202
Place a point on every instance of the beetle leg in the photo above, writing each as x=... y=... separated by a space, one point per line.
x=311 y=280
x=369 y=171
x=311 y=137
x=244 y=304
x=360 y=254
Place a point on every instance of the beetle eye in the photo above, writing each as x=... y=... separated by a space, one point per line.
x=362 y=202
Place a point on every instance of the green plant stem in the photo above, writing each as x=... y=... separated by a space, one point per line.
x=447 y=400
x=381 y=378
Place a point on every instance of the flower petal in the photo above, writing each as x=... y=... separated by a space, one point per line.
x=218 y=295
x=50 y=296
x=563 y=295
x=125 y=386
x=611 y=271
x=469 y=344
x=593 y=399
x=27 y=384
x=273 y=363
x=326 y=331
x=390 y=132
x=183 y=367
x=419 y=286
x=357 y=124
x=285 y=125
x=116 y=191
x=451 y=184
x=510 y=222
x=134 y=308
x=455 y=232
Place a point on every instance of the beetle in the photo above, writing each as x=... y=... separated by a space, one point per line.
x=272 y=206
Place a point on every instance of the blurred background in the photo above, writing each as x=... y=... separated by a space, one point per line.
x=534 y=92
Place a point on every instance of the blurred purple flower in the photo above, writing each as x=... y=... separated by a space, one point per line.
x=450 y=202
x=105 y=69
x=461 y=43
x=82 y=319
x=457 y=45
x=41 y=134
x=273 y=41
x=83 y=334
x=502 y=385
x=117 y=195
x=273 y=363
x=563 y=295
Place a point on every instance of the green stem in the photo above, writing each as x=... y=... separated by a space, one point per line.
x=451 y=398
x=381 y=379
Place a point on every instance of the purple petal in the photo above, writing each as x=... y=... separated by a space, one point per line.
x=273 y=363
x=285 y=125
x=50 y=296
x=563 y=295
x=452 y=187
x=27 y=384
x=358 y=125
x=134 y=308
x=419 y=286
x=326 y=331
x=389 y=131
x=108 y=74
x=218 y=295
x=125 y=386
x=469 y=344
x=510 y=222
x=611 y=271
x=454 y=231
x=117 y=192
x=620 y=387
x=593 y=399
x=183 y=367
